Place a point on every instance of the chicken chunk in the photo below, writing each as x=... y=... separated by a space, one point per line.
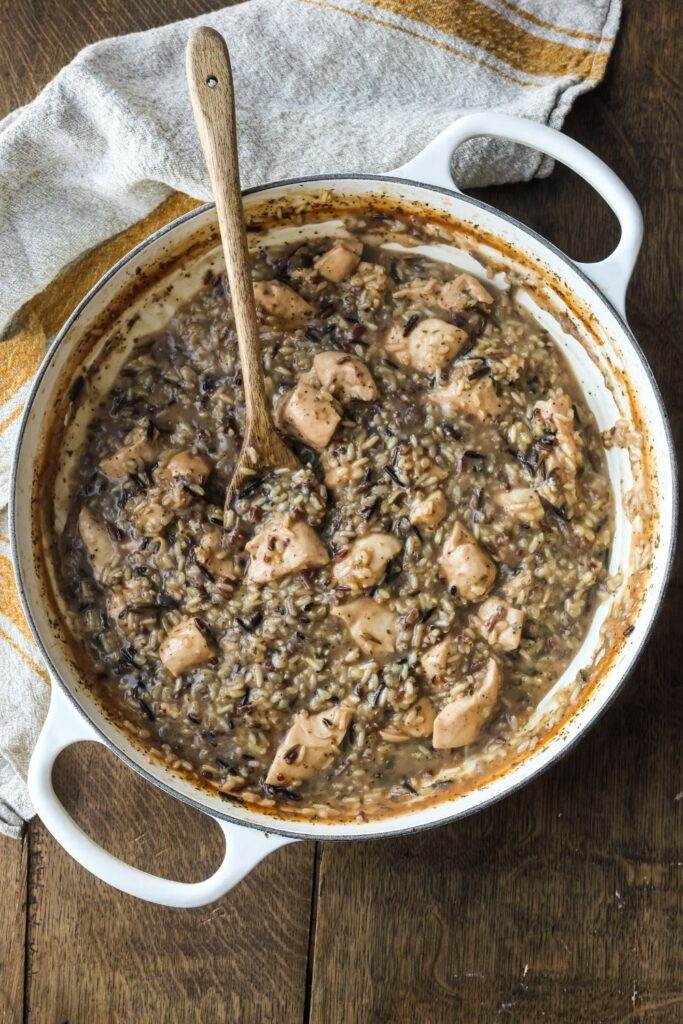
x=309 y=415
x=103 y=551
x=345 y=376
x=214 y=560
x=557 y=415
x=279 y=300
x=341 y=260
x=366 y=560
x=186 y=646
x=136 y=452
x=464 y=292
x=439 y=661
x=465 y=565
x=282 y=548
x=428 y=511
x=472 y=397
x=522 y=503
x=499 y=623
x=185 y=467
x=310 y=745
x=462 y=719
x=415 y=723
x=372 y=626
x=428 y=347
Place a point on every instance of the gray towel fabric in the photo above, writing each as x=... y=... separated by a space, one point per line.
x=322 y=85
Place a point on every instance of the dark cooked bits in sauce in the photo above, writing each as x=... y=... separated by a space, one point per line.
x=354 y=636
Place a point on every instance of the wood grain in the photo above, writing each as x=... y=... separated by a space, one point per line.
x=99 y=956
x=13 y=899
x=560 y=904
x=38 y=37
x=209 y=78
x=577 y=876
x=563 y=903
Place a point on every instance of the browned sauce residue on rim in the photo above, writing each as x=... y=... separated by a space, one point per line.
x=264 y=215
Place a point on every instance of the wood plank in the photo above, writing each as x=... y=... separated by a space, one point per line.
x=97 y=955
x=37 y=39
x=563 y=903
x=13 y=898
x=559 y=904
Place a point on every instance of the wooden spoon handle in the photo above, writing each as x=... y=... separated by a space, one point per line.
x=209 y=79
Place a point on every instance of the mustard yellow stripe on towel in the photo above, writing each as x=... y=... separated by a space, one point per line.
x=20 y=357
x=10 y=607
x=457 y=51
x=572 y=33
x=480 y=26
x=33 y=665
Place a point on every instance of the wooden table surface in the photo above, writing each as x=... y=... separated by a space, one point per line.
x=561 y=904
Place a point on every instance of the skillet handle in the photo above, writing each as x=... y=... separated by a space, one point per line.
x=611 y=275
x=244 y=847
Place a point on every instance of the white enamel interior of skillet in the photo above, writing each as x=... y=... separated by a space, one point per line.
x=604 y=393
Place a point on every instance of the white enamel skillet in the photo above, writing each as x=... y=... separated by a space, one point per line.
x=617 y=383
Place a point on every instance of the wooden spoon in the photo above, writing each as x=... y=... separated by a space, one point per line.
x=213 y=101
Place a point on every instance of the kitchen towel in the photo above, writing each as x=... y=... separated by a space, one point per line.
x=108 y=151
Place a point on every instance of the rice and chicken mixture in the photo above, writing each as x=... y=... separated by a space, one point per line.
x=346 y=636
